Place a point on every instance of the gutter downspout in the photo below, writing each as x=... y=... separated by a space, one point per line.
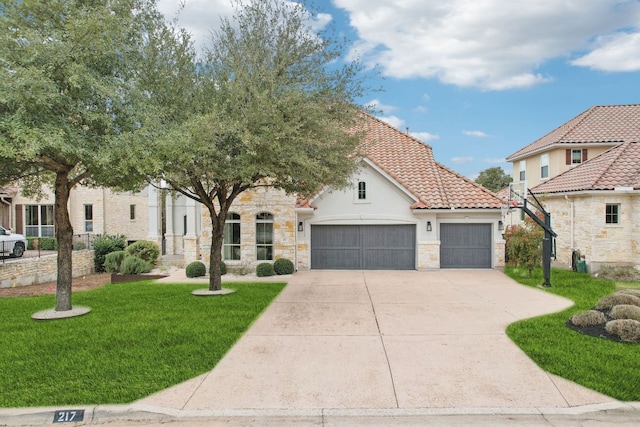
x=571 y=222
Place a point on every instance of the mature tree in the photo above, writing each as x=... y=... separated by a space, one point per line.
x=270 y=106
x=495 y=179
x=68 y=94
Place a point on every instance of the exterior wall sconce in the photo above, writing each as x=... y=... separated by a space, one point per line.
x=429 y=226
x=500 y=225
x=300 y=226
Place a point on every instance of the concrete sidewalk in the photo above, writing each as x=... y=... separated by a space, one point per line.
x=376 y=348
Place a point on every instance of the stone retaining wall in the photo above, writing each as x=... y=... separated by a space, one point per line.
x=31 y=271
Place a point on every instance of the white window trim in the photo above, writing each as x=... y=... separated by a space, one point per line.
x=356 y=193
x=544 y=162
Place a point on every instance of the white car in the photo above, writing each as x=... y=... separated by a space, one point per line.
x=12 y=244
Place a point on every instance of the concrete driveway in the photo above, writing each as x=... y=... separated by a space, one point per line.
x=385 y=339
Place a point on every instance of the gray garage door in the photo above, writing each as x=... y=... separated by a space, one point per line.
x=363 y=247
x=465 y=245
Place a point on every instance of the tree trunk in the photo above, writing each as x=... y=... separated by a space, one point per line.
x=64 y=236
x=215 y=254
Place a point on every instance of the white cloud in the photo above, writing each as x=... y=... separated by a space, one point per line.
x=460 y=160
x=394 y=121
x=614 y=52
x=495 y=160
x=488 y=44
x=425 y=136
x=475 y=133
x=379 y=106
x=200 y=17
x=421 y=109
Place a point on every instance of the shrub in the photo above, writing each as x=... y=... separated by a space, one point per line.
x=609 y=301
x=134 y=265
x=588 y=318
x=618 y=273
x=32 y=243
x=48 y=243
x=78 y=246
x=283 y=266
x=634 y=292
x=265 y=269
x=144 y=249
x=625 y=311
x=223 y=268
x=523 y=245
x=196 y=269
x=104 y=245
x=626 y=329
x=113 y=261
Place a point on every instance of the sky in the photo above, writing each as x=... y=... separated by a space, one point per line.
x=476 y=79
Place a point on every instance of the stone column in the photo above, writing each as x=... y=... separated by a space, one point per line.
x=191 y=243
x=153 y=206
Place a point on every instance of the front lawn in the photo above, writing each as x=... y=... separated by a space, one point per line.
x=612 y=368
x=139 y=338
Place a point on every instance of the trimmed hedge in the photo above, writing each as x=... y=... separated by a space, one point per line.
x=196 y=269
x=265 y=269
x=283 y=266
x=223 y=268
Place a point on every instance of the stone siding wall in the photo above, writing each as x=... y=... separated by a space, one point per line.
x=582 y=227
x=248 y=205
x=31 y=271
x=429 y=255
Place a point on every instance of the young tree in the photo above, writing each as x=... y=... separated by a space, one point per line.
x=495 y=179
x=270 y=106
x=68 y=94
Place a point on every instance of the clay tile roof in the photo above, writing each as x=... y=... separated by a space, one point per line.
x=617 y=167
x=410 y=162
x=603 y=124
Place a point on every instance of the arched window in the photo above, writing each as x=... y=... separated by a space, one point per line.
x=231 y=244
x=362 y=190
x=264 y=236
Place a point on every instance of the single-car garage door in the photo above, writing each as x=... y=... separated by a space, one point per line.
x=465 y=246
x=363 y=247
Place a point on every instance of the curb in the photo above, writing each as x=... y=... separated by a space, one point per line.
x=102 y=414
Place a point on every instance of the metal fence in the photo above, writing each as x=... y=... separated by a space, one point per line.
x=39 y=246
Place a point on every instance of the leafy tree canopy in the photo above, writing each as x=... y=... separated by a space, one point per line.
x=70 y=91
x=269 y=103
x=495 y=179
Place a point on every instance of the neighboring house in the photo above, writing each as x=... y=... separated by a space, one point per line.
x=595 y=208
x=582 y=138
x=403 y=211
x=560 y=168
x=92 y=211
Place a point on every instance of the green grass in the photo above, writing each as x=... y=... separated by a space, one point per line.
x=139 y=338
x=609 y=367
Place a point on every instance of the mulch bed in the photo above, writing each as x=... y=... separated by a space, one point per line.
x=595 y=331
x=82 y=283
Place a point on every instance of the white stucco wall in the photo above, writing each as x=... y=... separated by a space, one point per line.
x=387 y=203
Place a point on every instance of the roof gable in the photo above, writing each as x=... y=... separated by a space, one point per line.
x=604 y=124
x=410 y=162
x=617 y=167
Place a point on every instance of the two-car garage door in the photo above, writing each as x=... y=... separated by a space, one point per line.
x=393 y=247
x=363 y=247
